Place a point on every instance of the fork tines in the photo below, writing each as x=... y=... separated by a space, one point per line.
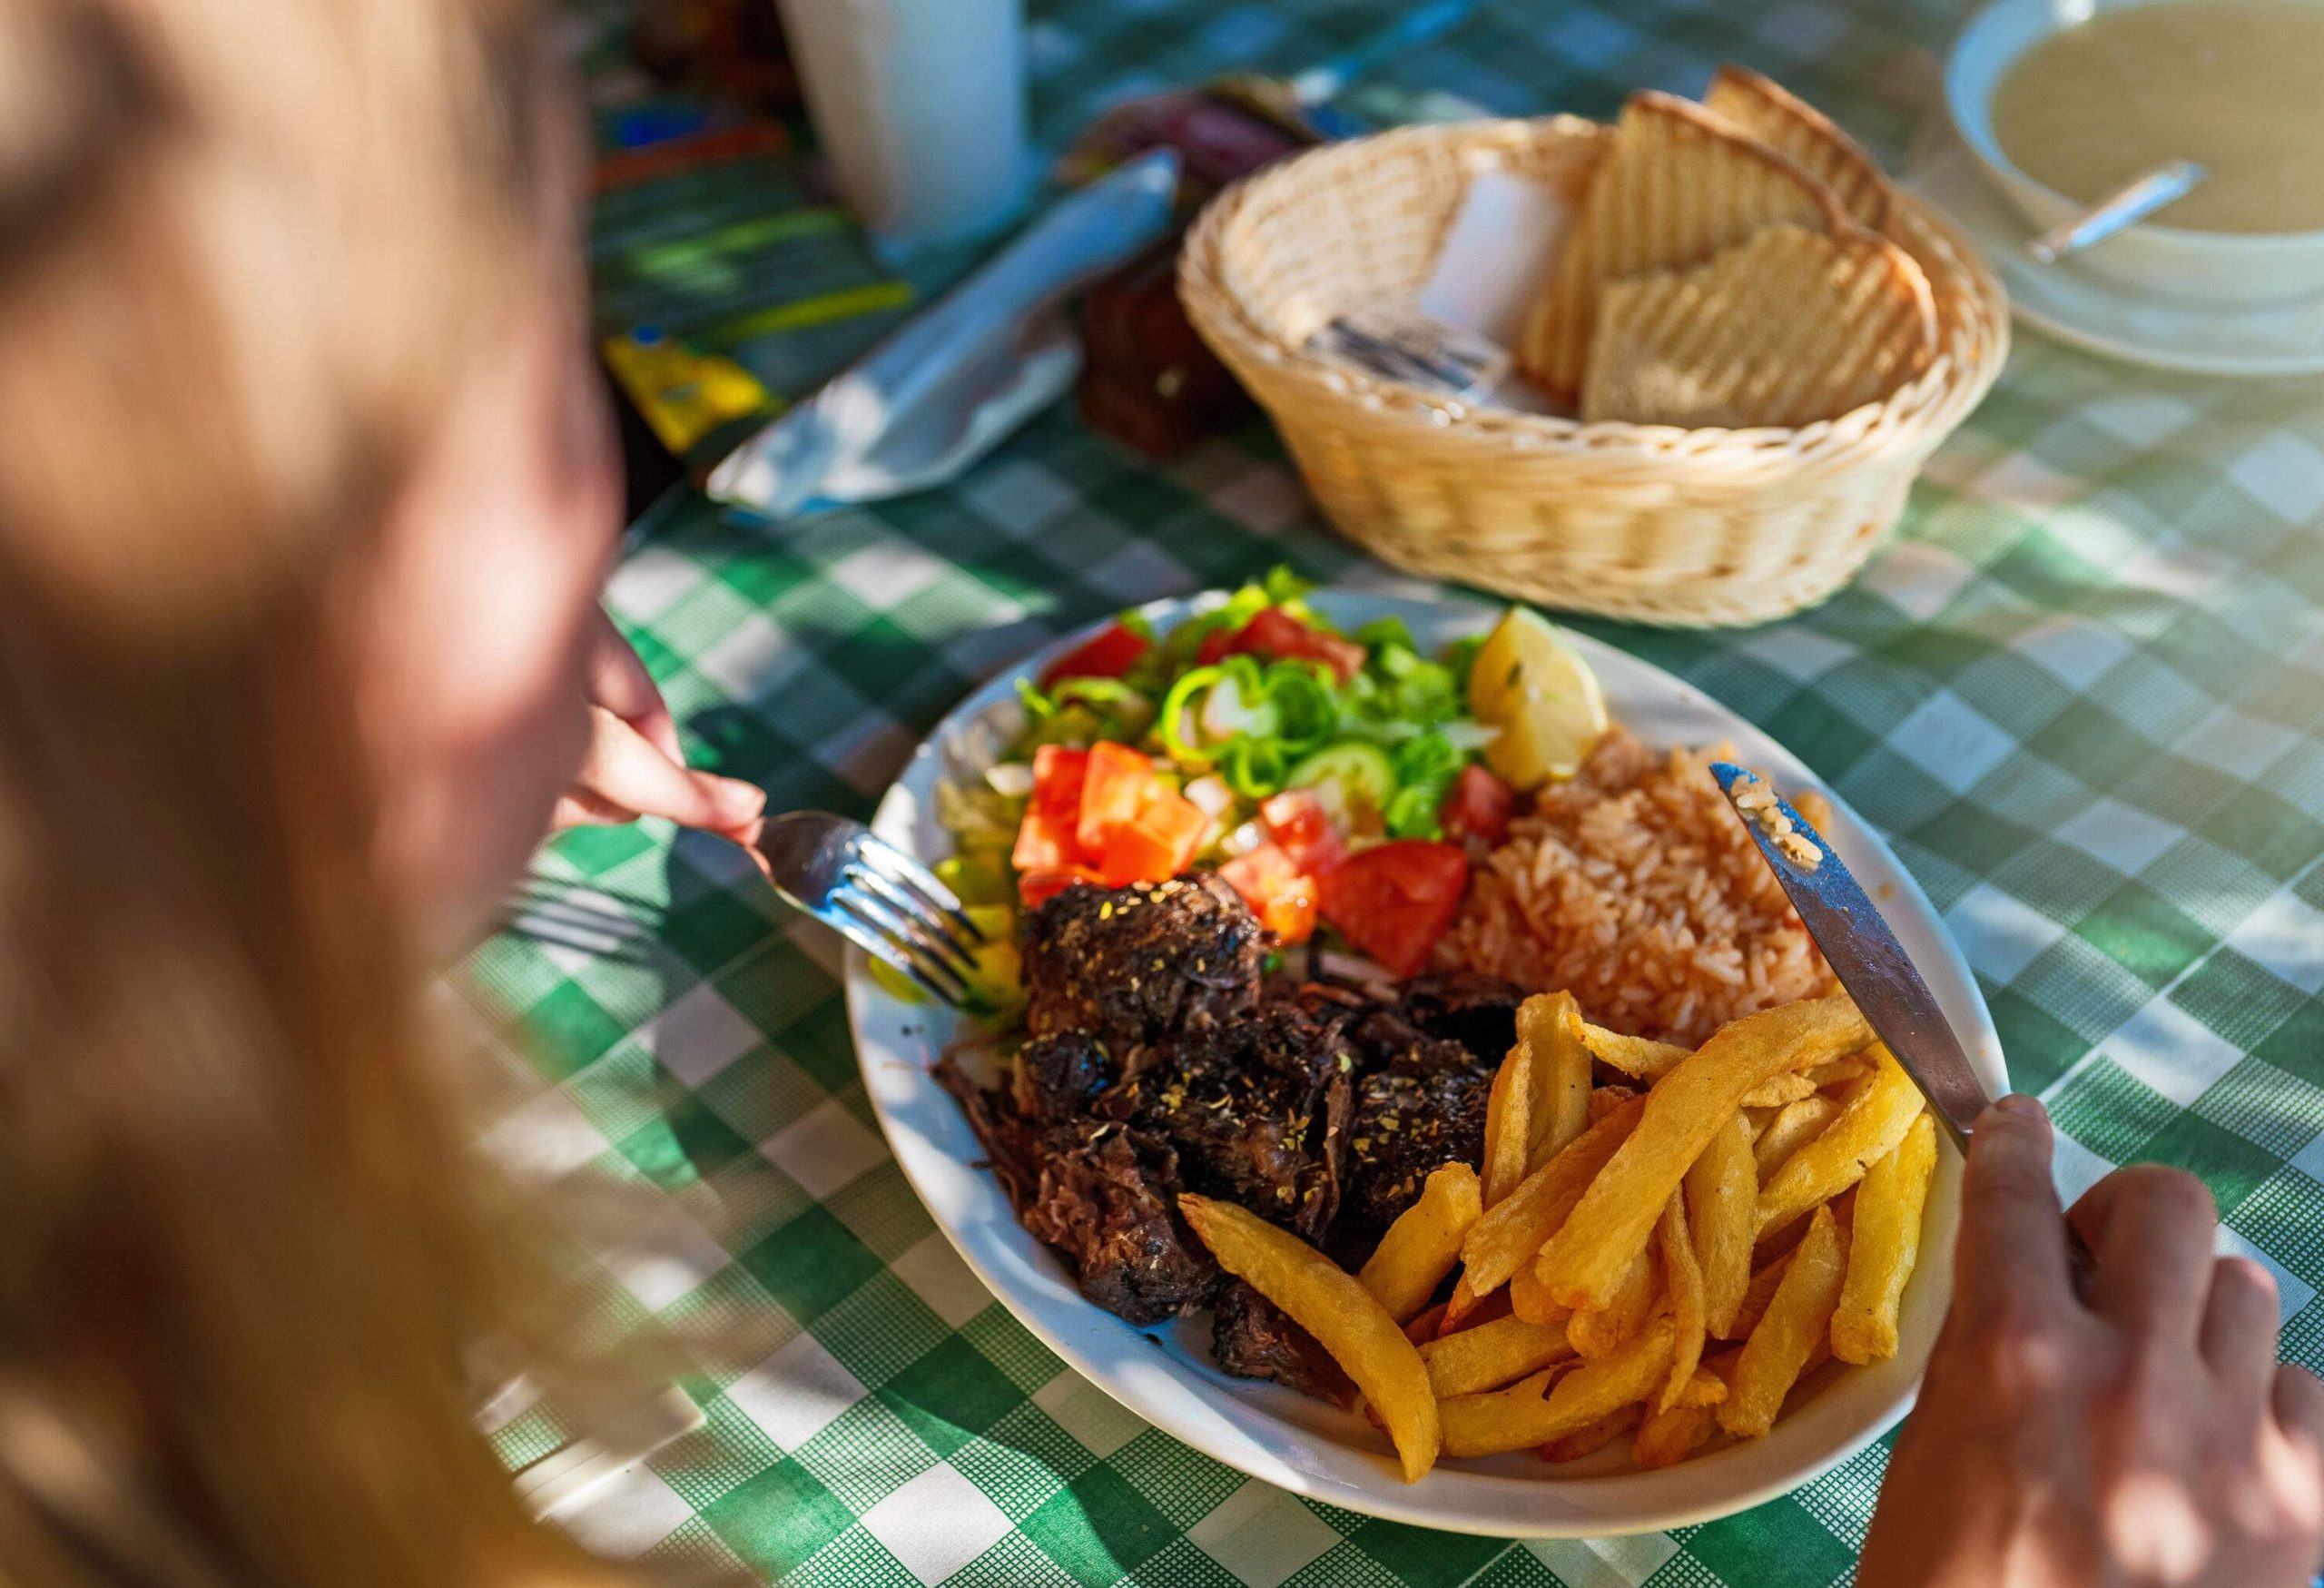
x=875 y=896
x=926 y=933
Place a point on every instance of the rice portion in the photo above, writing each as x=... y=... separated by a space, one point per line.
x=1636 y=887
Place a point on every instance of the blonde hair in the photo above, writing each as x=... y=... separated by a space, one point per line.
x=244 y=247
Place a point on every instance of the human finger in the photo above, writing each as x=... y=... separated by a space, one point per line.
x=2012 y=1244
x=2239 y=1329
x=576 y=807
x=2153 y=1230
x=622 y=769
x=2297 y=1398
x=619 y=682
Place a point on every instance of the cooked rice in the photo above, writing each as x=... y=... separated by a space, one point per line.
x=1636 y=887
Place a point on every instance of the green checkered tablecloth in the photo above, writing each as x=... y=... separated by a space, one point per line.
x=2081 y=692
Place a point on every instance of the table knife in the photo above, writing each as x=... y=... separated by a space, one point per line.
x=1872 y=965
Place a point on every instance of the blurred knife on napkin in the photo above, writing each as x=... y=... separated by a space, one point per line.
x=952 y=383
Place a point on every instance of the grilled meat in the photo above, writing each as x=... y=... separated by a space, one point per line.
x=1108 y=1199
x=1420 y=1105
x=1060 y=1076
x=1159 y=1062
x=1258 y=1112
x=1476 y=1010
x=1102 y=1193
x=1133 y=966
x=1251 y=1337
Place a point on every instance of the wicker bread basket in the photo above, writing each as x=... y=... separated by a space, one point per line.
x=1646 y=522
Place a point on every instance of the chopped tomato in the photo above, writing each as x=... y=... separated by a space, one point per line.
x=1215 y=645
x=1279 y=893
x=1276 y=633
x=1043 y=843
x=1296 y=820
x=1102 y=815
x=1036 y=887
x=1112 y=790
x=1393 y=901
x=1157 y=842
x=1058 y=771
x=1110 y=653
x=1046 y=838
x=1478 y=804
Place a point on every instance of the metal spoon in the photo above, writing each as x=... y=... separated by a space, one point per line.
x=2126 y=207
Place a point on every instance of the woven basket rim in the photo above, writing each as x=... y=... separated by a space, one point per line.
x=1920 y=411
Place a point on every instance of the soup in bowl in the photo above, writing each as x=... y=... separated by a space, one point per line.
x=2064 y=101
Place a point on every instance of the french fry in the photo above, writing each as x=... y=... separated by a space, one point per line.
x=1594 y=1438
x=1722 y=1189
x=1463 y=1301
x=1483 y=1310
x=1797 y=1320
x=1682 y=1276
x=1513 y=1230
x=1704 y=1388
x=1840 y=1073
x=1793 y=1128
x=1609 y=1100
x=1424 y=1328
x=1668 y=1437
x=1528 y=1299
x=1508 y=1109
x=1874 y=1121
x=1777 y=1243
x=1883 y=1246
x=1493 y=1355
x=1477 y=1418
x=1584 y=1260
x=1598 y=1334
x=1333 y=1306
x=1783 y=1089
x=1634 y=1056
x=1423 y=1243
x=1522 y=1417
x=1546 y=1026
x=1754 y=1304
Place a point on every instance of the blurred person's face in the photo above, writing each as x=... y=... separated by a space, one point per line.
x=481 y=613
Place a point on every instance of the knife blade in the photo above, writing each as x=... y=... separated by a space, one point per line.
x=1864 y=954
x=1862 y=949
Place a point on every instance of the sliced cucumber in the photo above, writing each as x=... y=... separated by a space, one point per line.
x=1349 y=777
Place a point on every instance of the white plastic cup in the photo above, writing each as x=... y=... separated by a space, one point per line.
x=920 y=106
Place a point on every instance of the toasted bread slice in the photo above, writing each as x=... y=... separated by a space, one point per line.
x=1787 y=328
x=1789 y=124
x=1680 y=184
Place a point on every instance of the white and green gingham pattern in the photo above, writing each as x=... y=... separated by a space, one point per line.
x=2082 y=691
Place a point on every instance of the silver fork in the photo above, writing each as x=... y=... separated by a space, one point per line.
x=875 y=896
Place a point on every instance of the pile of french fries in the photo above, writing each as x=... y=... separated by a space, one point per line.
x=1661 y=1257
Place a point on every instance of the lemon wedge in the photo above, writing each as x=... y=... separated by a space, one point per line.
x=1527 y=682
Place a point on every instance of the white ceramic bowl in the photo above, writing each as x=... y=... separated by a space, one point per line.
x=2169 y=262
x=1164 y=1372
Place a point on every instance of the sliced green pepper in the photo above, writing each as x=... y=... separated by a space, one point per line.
x=1178 y=705
x=1253 y=768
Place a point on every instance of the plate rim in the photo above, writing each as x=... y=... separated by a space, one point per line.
x=1386 y=1496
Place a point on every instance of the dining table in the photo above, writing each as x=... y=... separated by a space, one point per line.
x=2080 y=690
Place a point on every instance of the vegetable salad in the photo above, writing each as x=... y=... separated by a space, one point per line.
x=1328 y=777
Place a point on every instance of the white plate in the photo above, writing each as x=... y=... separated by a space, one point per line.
x=1164 y=1372
x=2070 y=303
